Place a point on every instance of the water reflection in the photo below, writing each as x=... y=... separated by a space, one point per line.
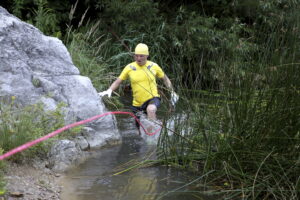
x=95 y=178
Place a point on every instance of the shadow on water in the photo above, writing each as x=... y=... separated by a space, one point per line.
x=95 y=178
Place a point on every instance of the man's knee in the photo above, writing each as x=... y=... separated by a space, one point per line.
x=151 y=108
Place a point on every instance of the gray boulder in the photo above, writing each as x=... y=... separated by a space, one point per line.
x=37 y=68
x=64 y=154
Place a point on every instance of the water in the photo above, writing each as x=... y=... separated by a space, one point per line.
x=97 y=179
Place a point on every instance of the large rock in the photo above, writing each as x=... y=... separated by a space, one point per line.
x=37 y=68
x=64 y=154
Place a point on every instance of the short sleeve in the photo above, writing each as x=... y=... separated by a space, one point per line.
x=124 y=74
x=159 y=72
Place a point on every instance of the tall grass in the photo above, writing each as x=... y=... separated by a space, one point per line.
x=95 y=55
x=248 y=136
x=247 y=132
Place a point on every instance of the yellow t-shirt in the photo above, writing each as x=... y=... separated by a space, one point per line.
x=142 y=80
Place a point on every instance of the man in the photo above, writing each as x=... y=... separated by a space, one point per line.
x=142 y=74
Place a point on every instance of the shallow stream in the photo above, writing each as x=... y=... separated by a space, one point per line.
x=97 y=178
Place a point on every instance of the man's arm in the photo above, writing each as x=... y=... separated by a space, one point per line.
x=112 y=87
x=174 y=96
x=115 y=84
x=167 y=82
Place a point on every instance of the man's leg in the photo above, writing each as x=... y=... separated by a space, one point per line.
x=151 y=111
x=135 y=111
x=152 y=106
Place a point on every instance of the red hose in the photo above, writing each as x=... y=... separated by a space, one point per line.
x=31 y=143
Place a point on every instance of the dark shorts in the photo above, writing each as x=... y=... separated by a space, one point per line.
x=143 y=108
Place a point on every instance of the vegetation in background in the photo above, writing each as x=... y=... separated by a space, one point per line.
x=246 y=134
x=234 y=63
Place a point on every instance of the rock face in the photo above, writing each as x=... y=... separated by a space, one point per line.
x=36 y=68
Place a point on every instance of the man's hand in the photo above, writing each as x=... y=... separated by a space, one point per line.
x=174 y=98
x=106 y=92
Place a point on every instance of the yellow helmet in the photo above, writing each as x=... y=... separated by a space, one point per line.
x=141 y=49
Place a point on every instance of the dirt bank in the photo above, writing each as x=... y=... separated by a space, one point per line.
x=31 y=182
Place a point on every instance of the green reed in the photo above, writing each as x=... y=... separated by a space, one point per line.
x=246 y=130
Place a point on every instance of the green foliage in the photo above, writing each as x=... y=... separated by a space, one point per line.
x=19 y=125
x=18 y=5
x=2 y=181
x=45 y=18
x=91 y=59
x=137 y=16
x=248 y=136
x=248 y=132
x=89 y=52
x=48 y=16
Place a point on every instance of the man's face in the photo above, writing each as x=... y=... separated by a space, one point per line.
x=140 y=59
